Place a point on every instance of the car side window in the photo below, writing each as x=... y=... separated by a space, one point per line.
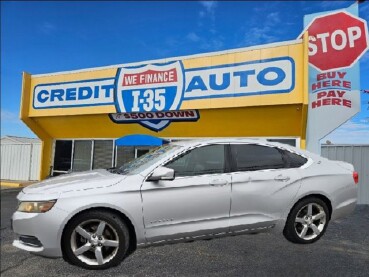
x=208 y=159
x=293 y=160
x=251 y=157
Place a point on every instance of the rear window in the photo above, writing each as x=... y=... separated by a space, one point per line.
x=293 y=160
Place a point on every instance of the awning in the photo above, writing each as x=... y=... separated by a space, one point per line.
x=140 y=140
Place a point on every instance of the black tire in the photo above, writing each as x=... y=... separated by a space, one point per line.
x=114 y=231
x=304 y=229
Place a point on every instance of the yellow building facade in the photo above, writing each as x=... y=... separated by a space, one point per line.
x=249 y=92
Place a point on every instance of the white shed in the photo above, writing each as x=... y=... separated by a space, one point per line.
x=20 y=158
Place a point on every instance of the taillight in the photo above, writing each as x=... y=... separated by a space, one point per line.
x=355 y=175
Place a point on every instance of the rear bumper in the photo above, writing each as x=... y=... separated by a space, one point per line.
x=344 y=201
x=344 y=209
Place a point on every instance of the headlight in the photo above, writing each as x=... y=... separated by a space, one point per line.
x=36 y=207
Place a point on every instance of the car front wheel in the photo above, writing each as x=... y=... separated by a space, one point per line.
x=307 y=221
x=96 y=240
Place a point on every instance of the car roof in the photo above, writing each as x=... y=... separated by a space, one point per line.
x=194 y=142
x=189 y=142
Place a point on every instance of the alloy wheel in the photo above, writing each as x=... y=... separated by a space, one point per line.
x=94 y=242
x=310 y=221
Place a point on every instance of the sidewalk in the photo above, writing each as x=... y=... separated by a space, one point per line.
x=9 y=184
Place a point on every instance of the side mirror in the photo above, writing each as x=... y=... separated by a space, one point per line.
x=162 y=173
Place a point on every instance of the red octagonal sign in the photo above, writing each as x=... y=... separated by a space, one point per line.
x=336 y=40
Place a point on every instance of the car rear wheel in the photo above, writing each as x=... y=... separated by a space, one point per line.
x=307 y=221
x=96 y=240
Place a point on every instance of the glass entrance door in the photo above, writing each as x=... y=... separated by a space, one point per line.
x=62 y=157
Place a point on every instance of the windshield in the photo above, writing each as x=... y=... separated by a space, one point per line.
x=147 y=160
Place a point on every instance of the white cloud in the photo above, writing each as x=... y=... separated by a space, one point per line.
x=209 y=6
x=350 y=133
x=259 y=35
x=206 y=35
x=207 y=11
x=193 y=37
x=206 y=43
x=263 y=32
x=212 y=44
x=273 y=18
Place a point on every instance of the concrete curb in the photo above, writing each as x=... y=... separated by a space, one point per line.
x=12 y=185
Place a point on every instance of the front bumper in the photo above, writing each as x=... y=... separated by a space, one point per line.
x=45 y=227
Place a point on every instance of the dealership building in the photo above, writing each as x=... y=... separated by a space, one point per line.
x=249 y=92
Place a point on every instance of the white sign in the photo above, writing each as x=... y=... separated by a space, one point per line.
x=74 y=94
x=250 y=78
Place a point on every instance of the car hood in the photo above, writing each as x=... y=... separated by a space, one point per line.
x=99 y=178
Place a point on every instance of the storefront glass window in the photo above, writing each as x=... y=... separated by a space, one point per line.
x=82 y=155
x=103 y=154
x=125 y=154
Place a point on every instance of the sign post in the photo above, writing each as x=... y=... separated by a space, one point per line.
x=337 y=40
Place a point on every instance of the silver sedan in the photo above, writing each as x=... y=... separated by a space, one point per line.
x=184 y=191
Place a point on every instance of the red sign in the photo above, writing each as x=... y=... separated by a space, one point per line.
x=336 y=40
x=150 y=77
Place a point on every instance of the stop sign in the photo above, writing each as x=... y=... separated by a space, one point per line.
x=336 y=40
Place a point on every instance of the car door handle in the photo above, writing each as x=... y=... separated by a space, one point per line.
x=282 y=178
x=218 y=183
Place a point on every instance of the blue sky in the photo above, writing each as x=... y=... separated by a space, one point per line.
x=43 y=37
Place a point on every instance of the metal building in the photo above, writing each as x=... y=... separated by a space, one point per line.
x=358 y=155
x=20 y=158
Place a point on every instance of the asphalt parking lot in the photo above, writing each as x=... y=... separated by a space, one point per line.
x=343 y=251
